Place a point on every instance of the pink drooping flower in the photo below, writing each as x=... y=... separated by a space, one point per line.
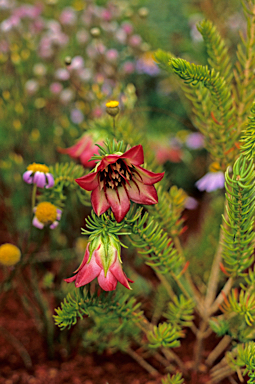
x=83 y=150
x=101 y=261
x=119 y=178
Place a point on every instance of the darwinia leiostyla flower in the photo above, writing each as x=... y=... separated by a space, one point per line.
x=38 y=174
x=101 y=260
x=119 y=178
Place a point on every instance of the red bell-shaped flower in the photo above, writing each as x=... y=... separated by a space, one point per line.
x=119 y=178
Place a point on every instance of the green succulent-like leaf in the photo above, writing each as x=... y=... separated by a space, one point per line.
x=164 y=335
x=180 y=312
x=173 y=379
x=219 y=325
x=246 y=358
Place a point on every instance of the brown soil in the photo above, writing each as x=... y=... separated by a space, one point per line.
x=19 y=338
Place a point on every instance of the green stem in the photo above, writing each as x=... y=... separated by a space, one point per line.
x=34 y=196
x=46 y=313
x=215 y=271
x=114 y=126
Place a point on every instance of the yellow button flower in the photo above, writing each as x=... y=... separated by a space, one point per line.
x=9 y=254
x=112 y=104
x=46 y=214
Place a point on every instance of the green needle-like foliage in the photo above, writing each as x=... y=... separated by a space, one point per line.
x=238 y=228
x=243 y=73
x=173 y=379
x=64 y=177
x=78 y=306
x=169 y=209
x=223 y=132
x=216 y=49
x=157 y=247
x=109 y=332
x=248 y=138
x=180 y=312
x=164 y=335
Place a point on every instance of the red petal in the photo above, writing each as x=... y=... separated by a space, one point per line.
x=119 y=203
x=117 y=271
x=85 y=259
x=148 y=177
x=107 y=283
x=99 y=201
x=88 y=273
x=87 y=154
x=146 y=194
x=110 y=159
x=85 y=142
x=88 y=182
x=135 y=155
x=70 y=279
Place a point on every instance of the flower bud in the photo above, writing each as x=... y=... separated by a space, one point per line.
x=95 y=32
x=143 y=12
x=68 y=60
x=101 y=260
x=112 y=108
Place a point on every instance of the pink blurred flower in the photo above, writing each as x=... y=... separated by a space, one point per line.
x=76 y=116
x=101 y=260
x=83 y=150
x=31 y=86
x=211 y=181
x=66 y=95
x=128 y=67
x=119 y=178
x=56 y=88
x=62 y=74
x=127 y=27
x=146 y=64
x=112 y=54
x=68 y=16
x=135 y=40
x=195 y=140
x=166 y=152
x=29 y=11
x=77 y=63
x=97 y=112
x=82 y=36
x=121 y=36
x=106 y=15
x=10 y=23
